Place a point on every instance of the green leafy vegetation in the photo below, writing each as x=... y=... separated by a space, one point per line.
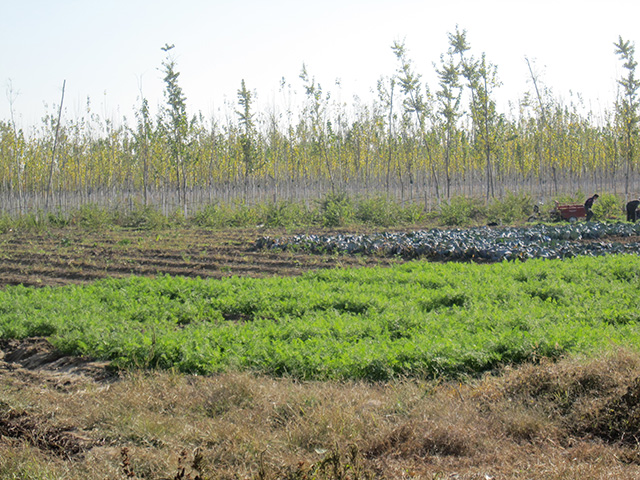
x=461 y=211
x=333 y=210
x=418 y=319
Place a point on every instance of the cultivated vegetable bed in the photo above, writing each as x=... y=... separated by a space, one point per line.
x=419 y=318
x=474 y=244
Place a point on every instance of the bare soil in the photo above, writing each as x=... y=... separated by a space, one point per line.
x=79 y=256
x=33 y=363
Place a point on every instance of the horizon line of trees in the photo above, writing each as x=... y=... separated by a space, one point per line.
x=414 y=143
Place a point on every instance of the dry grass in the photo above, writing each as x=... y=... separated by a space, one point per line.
x=570 y=419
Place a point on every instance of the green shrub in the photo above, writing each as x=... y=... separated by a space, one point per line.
x=332 y=210
x=91 y=216
x=206 y=217
x=378 y=211
x=461 y=211
x=336 y=210
x=56 y=219
x=382 y=211
x=6 y=223
x=412 y=213
x=608 y=207
x=144 y=218
x=31 y=221
x=578 y=197
x=221 y=215
x=284 y=214
x=512 y=208
x=36 y=220
x=243 y=215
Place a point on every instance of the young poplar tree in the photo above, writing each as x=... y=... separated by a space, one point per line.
x=415 y=102
x=543 y=133
x=487 y=119
x=627 y=106
x=175 y=122
x=142 y=138
x=386 y=96
x=17 y=141
x=247 y=142
x=481 y=79
x=449 y=97
x=316 y=109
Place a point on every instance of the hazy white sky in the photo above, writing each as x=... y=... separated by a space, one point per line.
x=110 y=50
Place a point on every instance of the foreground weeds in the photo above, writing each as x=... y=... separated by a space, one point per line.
x=573 y=418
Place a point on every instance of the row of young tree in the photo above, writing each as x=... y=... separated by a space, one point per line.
x=413 y=142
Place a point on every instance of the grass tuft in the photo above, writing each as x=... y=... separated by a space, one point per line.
x=545 y=419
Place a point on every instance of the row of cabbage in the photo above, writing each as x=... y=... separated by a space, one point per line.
x=473 y=244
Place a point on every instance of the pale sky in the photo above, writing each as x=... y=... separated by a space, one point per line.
x=110 y=50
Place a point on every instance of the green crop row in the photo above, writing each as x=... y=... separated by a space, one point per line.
x=416 y=319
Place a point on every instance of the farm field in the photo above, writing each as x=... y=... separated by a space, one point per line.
x=545 y=410
x=75 y=255
x=323 y=351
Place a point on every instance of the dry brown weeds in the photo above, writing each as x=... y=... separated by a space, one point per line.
x=575 y=418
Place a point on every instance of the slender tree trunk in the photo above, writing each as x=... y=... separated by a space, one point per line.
x=53 y=153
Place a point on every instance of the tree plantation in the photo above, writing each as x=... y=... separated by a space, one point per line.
x=415 y=143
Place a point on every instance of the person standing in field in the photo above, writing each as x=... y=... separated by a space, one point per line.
x=588 y=205
x=632 y=207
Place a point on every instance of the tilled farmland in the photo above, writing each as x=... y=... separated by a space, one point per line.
x=72 y=255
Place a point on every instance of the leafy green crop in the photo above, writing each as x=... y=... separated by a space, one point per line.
x=416 y=319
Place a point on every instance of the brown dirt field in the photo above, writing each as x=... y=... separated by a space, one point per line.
x=60 y=257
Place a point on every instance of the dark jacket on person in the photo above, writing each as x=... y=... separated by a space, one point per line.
x=632 y=207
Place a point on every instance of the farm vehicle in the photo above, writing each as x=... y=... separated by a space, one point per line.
x=567 y=212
